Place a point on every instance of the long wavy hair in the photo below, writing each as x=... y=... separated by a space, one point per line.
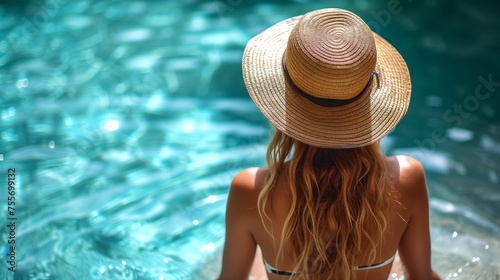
x=338 y=203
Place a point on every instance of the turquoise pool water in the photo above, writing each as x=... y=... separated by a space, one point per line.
x=126 y=120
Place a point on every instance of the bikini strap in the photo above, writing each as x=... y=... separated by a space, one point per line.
x=271 y=269
x=375 y=265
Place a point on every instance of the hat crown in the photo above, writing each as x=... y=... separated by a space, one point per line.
x=331 y=53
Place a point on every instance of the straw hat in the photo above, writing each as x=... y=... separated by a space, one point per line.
x=325 y=79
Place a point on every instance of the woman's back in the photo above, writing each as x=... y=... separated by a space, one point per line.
x=328 y=205
x=407 y=220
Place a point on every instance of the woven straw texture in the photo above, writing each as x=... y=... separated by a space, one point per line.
x=330 y=53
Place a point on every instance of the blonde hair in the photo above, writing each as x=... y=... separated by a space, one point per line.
x=338 y=201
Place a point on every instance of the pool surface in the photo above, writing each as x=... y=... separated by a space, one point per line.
x=126 y=120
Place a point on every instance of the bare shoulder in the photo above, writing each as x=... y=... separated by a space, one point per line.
x=409 y=165
x=250 y=179
x=409 y=176
x=411 y=172
x=245 y=189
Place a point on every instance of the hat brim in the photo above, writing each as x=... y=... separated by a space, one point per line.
x=360 y=123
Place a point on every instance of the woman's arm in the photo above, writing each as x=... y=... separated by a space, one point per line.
x=415 y=245
x=240 y=246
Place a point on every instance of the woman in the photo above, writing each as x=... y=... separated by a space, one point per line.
x=329 y=205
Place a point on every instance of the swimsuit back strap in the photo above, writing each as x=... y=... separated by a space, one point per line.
x=375 y=265
x=271 y=269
